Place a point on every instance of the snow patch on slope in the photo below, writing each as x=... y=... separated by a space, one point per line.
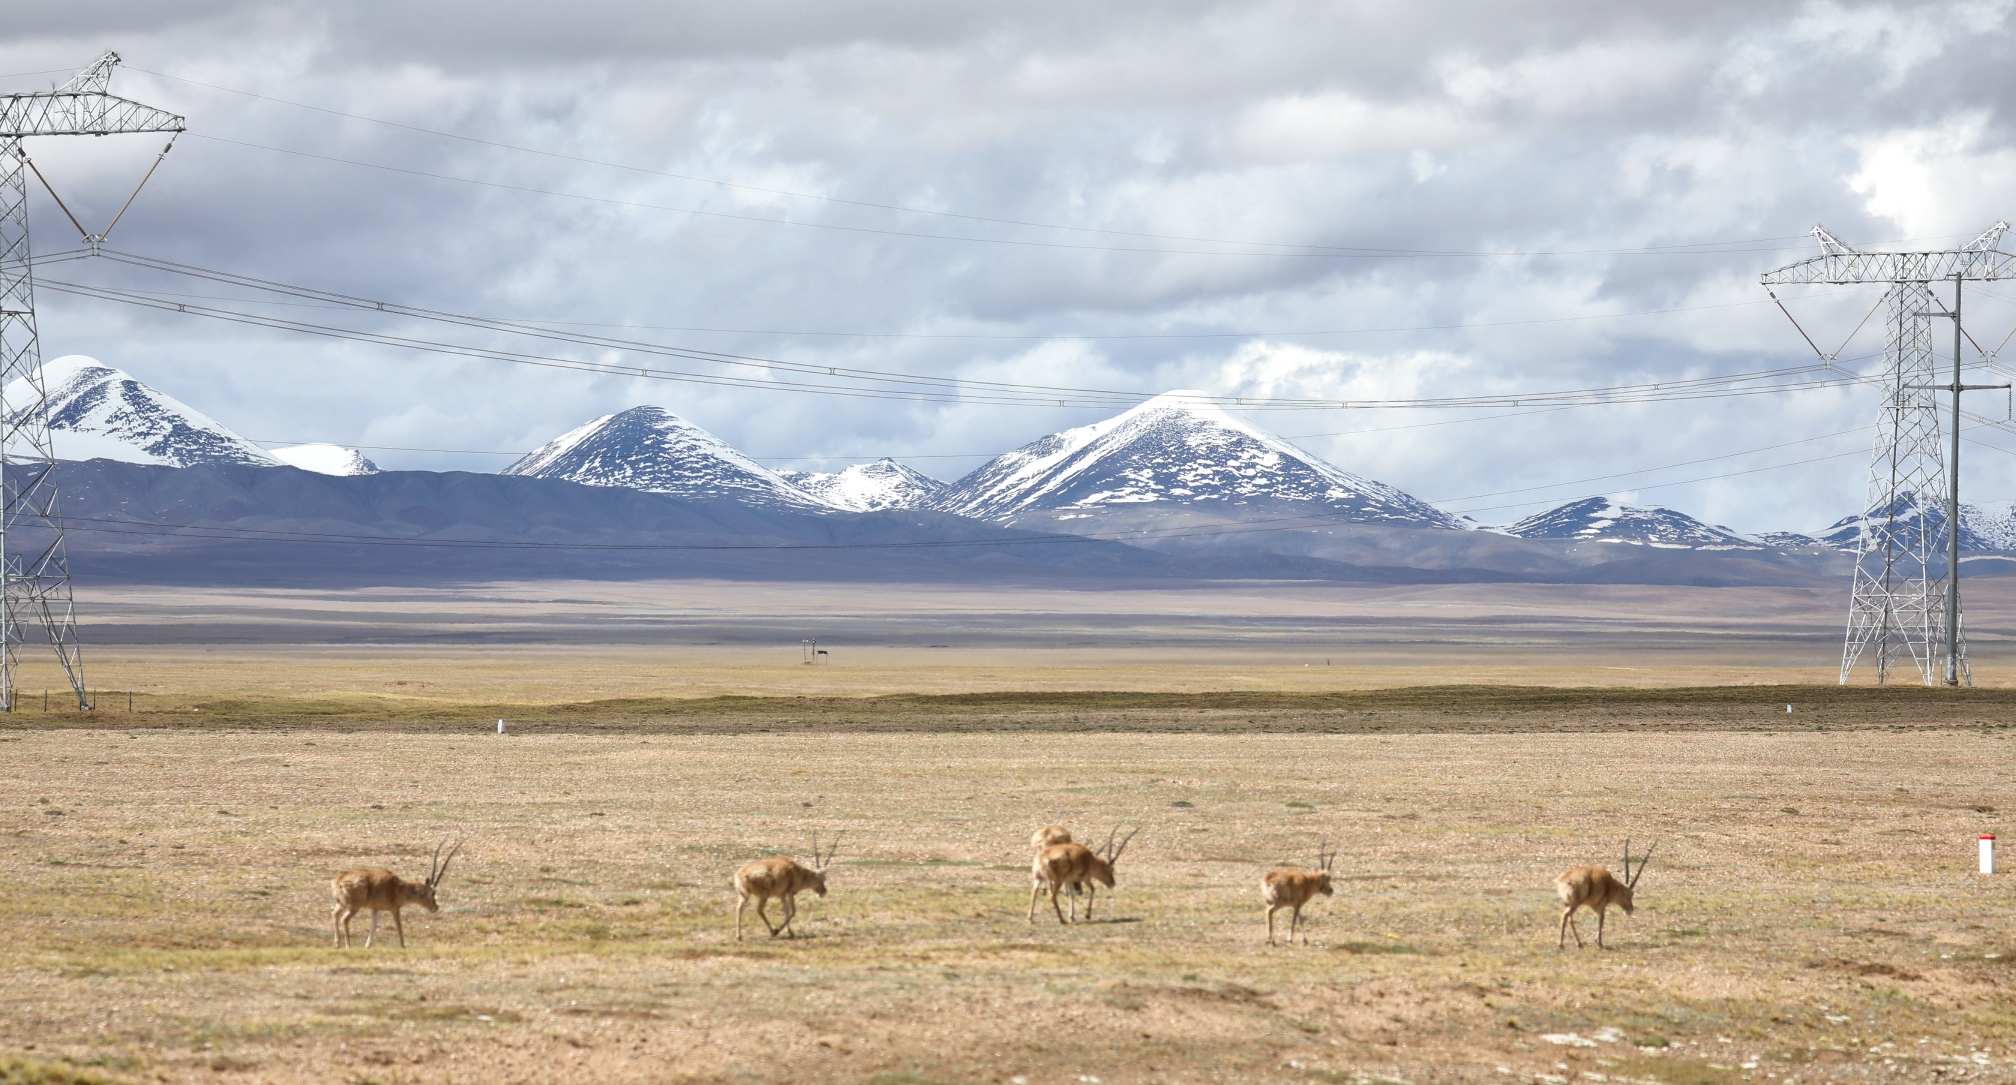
x=1175 y=448
x=1599 y=519
x=325 y=459
x=652 y=449
x=99 y=412
x=867 y=487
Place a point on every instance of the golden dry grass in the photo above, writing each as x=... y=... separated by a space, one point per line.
x=1811 y=913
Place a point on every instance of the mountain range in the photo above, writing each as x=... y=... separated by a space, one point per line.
x=1175 y=480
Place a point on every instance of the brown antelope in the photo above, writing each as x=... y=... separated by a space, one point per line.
x=1294 y=888
x=1595 y=888
x=1048 y=835
x=383 y=891
x=780 y=877
x=1060 y=865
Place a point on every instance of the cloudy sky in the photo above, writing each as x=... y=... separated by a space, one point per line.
x=1352 y=201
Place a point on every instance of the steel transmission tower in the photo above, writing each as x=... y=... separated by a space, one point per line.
x=34 y=568
x=1905 y=600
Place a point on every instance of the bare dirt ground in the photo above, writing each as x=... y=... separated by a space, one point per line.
x=1811 y=913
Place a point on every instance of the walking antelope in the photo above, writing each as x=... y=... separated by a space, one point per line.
x=780 y=877
x=1075 y=864
x=1055 y=834
x=383 y=891
x=1294 y=888
x=1595 y=888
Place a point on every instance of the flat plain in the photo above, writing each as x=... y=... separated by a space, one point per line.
x=1811 y=912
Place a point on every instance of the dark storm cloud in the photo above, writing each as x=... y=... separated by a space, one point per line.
x=1466 y=127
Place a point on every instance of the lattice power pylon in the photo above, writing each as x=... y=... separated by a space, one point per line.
x=34 y=567
x=1905 y=599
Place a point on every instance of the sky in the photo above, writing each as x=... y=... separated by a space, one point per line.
x=1276 y=200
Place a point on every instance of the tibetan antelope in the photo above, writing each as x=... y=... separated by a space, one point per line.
x=1055 y=834
x=1294 y=888
x=1595 y=888
x=383 y=891
x=1074 y=864
x=1048 y=835
x=780 y=877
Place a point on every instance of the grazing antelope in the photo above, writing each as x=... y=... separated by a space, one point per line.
x=780 y=877
x=383 y=891
x=1060 y=865
x=1048 y=835
x=1294 y=888
x=1595 y=888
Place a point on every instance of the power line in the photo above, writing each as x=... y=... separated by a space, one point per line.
x=863 y=383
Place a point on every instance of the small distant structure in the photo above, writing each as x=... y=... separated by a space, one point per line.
x=810 y=651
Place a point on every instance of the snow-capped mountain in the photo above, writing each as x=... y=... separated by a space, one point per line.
x=325 y=459
x=1176 y=449
x=867 y=487
x=1599 y=519
x=1985 y=525
x=652 y=449
x=98 y=412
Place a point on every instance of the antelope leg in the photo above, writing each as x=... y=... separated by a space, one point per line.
x=790 y=913
x=1294 y=922
x=369 y=938
x=1601 y=915
x=1053 y=902
x=1271 y=909
x=1091 y=891
x=400 y=925
x=761 y=904
x=336 y=925
x=1035 y=892
x=741 y=900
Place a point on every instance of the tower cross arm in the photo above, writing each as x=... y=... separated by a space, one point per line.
x=1977 y=265
x=82 y=107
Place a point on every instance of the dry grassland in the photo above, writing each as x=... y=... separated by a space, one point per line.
x=1811 y=913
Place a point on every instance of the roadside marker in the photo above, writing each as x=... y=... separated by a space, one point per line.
x=1987 y=853
x=500 y=727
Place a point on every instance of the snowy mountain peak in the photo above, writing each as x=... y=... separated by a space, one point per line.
x=99 y=412
x=1599 y=519
x=325 y=459
x=1180 y=448
x=867 y=487
x=652 y=449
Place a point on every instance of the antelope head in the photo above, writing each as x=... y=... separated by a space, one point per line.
x=1325 y=855
x=821 y=862
x=1630 y=879
x=437 y=869
x=1109 y=854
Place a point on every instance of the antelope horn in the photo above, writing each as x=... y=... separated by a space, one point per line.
x=435 y=880
x=1106 y=849
x=832 y=850
x=1115 y=857
x=1642 y=860
x=435 y=863
x=1323 y=855
x=1627 y=860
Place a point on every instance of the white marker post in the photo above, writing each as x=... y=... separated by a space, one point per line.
x=1987 y=853
x=500 y=727
x=1788 y=709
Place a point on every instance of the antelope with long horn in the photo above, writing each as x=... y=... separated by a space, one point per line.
x=1595 y=888
x=784 y=878
x=1294 y=888
x=383 y=891
x=1075 y=864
